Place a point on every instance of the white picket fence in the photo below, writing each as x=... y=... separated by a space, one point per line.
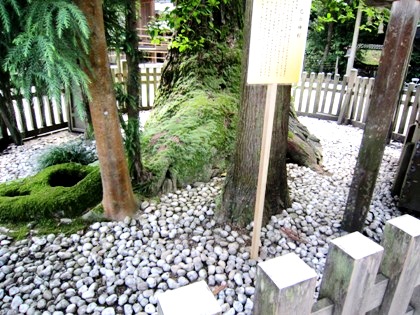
x=149 y=79
x=360 y=277
x=325 y=96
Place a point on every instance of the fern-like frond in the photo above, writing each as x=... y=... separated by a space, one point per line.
x=7 y=9
x=62 y=22
x=48 y=53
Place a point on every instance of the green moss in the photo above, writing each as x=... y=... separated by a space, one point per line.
x=21 y=230
x=188 y=143
x=192 y=127
x=65 y=190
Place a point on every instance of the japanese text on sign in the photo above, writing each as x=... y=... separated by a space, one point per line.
x=278 y=39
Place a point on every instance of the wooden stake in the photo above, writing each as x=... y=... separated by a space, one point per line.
x=270 y=106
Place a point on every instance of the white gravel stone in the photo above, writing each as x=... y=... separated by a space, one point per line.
x=108 y=311
x=117 y=267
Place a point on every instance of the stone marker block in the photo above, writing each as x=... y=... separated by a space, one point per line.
x=193 y=299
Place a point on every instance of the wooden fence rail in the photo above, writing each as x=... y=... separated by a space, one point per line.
x=360 y=277
x=42 y=115
x=321 y=96
x=38 y=115
x=347 y=101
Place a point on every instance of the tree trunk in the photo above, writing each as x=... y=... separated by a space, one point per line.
x=238 y=201
x=118 y=198
x=327 y=46
x=277 y=191
x=132 y=129
x=6 y=110
x=195 y=122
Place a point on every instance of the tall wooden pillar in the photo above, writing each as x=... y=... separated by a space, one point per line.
x=392 y=70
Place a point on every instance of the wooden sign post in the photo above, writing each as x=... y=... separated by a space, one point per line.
x=277 y=47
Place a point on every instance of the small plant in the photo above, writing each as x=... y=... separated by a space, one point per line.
x=75 y=152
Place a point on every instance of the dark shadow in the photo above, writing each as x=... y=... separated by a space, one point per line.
x=65 y=178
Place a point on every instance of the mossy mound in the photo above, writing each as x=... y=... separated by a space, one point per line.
x=64 y=190
x=186 y=138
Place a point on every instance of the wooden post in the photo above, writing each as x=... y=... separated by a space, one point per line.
x=270 y=106
x=285 y=285
x=401 y=264
x=345 y=106
x=319 y=81
x=334 y=91
x=302 y=91
x=393 y=65
x=361 y=102
x=192 y=299
x=309 y=95
x=352 y=264
x=368 y=93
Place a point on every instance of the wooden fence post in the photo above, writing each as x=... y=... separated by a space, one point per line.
x=401 y=265
x=347 y=97
x=404 y=109
x=352 y=264
x=193 y=299
x=284 y=285
x=311 y=86
x=345 y=106
x=320 y=81
x=302 y=90
x=368 y=93
x=326 y=89
x=334 y=91
x=360 y=104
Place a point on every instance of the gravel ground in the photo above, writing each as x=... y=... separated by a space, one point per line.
x=121 y=267
x=20 y=161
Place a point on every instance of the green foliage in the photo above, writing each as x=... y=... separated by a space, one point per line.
x=330 y=11
x=374 y=18
x=8 y=8
x=49 y=48
x=114 y=18
x=198 y=24
x=65 y=190
x=341 y=14
x=75 y=152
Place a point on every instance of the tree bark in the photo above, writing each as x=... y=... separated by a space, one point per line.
x=6 y=110
x=277 y=191
x=392 y=68
x=238 y=200
x=327 y=46
x=132 y=129
x=118 y=198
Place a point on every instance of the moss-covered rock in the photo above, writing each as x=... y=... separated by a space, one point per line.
x=65 y=190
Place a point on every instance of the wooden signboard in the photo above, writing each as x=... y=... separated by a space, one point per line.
x=277 y=46
x=278 y=39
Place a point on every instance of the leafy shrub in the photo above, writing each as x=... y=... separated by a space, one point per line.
x=76 y=152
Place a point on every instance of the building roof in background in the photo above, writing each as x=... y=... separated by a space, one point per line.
x=369 y=54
